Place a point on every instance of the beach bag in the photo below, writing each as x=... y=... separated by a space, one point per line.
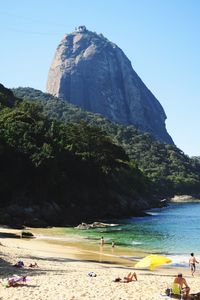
x=195 y=296
x=92 y=274
x=168 y=291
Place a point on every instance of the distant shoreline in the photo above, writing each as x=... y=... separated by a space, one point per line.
x=184 y=198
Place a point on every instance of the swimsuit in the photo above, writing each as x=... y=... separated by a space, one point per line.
x=192 y=266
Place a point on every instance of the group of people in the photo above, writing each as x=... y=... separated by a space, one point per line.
x=180 y=285
x=102 y=242
x=20 y=264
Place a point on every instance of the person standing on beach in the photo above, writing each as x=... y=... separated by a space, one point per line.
x=192 y=263
x=113 y=246
x=102 y=241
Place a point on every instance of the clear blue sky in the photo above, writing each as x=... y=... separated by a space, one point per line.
x=160 y=37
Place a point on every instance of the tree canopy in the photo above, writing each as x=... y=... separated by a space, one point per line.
x=77 y=167
x=166 y=166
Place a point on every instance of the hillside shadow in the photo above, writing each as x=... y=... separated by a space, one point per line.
x=7 y=269
x=4 y=264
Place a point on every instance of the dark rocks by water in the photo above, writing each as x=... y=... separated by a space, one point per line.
x=27 y=234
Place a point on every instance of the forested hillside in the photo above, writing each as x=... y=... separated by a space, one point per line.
x=58 y=173
x=168 y=168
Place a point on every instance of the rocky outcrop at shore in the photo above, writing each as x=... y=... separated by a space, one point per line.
x=34 y=216
x=27 y=234
x=51 y=214
x=95 y=225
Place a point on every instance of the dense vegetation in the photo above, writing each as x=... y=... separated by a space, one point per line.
x=61 y=165
x=166 y=166
x=55 y=173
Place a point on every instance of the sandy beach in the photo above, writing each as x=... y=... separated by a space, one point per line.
x=63 y=274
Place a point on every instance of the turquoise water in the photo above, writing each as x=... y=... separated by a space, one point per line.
x=173 y=230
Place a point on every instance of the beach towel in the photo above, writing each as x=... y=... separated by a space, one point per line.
x=15 y=279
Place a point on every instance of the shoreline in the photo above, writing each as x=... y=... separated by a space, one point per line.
x=63 y=274
x=75 y=247
x=79 y=248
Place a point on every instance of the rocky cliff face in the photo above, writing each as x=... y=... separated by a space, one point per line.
x=95 y=74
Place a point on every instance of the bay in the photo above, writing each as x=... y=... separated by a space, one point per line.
x=172 y=230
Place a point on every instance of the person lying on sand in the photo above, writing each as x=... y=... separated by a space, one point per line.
x=19 y=264
x=34 y=265
x=15 y=280
x=130 y=277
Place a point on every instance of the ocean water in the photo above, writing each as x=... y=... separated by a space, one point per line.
x=173 y=230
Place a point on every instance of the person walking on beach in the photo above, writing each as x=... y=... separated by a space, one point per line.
x=192 y=263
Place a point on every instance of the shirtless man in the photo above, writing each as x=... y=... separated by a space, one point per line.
x=192 y=263
x=183 y=284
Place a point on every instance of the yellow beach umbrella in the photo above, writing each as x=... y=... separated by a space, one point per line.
x=152 y=261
